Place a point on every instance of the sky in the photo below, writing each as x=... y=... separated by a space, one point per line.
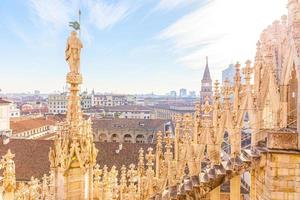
x=130 y=46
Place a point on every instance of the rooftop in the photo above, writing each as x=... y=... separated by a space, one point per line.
x=2 y=101
x=129 y=108
x=29 y=124
x=31 y=156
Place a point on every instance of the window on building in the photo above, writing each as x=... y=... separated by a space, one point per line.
x=140 y=139
x=128 y=138
x=102 y=137
x=114 y=138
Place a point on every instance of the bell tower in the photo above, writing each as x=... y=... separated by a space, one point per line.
x=206 y=85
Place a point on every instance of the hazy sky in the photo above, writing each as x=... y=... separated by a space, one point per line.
x=130 y=46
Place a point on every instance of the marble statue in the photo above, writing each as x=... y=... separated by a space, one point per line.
x=72 y=52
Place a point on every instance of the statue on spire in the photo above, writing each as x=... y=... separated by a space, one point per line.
x=73 y=49
x=74 y=46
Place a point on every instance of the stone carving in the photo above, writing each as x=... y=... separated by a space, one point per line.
x=282 y=140
x=72 y=52
x=8 y=166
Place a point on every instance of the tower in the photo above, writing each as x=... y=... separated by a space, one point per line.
x=206 y=85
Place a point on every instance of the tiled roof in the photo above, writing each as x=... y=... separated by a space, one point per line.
x=112 y=124
x=31 y=156
x=129 y=108
x=2 y=101
x=29 y=124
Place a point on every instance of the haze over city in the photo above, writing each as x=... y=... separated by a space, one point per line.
x=129 y=46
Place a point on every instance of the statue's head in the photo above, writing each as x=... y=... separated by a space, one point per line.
x=73 y=33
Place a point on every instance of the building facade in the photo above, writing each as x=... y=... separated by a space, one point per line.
x=183 y=92
x=130 y=112
x=34 y=108
x=85 y=101
x=173 y=93
x=58 y=103
x=122 y=112
x=35 y=128
x=109 y=100
x=14 y=110
x=129 y=130
x=228 y=74
x=4 y=118
x=170 y=111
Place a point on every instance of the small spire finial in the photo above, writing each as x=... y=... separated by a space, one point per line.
x=206 y=60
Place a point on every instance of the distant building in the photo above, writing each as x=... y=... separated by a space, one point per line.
x=169 y=111
x=34 y=108
x=139 y=100
x=35 y=128
x=4 y=118
x=58 y=103
x=229 y=74
x=206 y=85
x=86 y=101
x=129 y=130
x=14 y=111
x=109 y=100
x=183 y=92
x=173 y=93
x=122 y=112
x=131 y=112
x=37 y=92
x=192 y=94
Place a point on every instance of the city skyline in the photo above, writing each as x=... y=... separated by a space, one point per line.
x=152 y=53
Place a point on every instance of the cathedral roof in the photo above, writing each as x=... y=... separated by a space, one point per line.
x=31 y=156
x=206 y=74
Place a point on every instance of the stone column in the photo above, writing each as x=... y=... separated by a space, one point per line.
x=252 y=187
x=215 y=194
x=235 y=182
x=298 y=114
x=59 y=184
x=235 y=188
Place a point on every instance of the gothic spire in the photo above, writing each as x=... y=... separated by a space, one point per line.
x=206 y=75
